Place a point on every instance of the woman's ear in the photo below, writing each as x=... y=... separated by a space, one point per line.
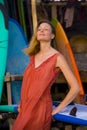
x=52 y=36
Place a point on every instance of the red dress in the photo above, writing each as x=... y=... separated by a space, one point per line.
x=36 y=102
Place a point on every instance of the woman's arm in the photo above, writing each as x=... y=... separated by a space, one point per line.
x=74 y=86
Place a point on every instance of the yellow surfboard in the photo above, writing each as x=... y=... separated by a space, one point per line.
x=64 y=47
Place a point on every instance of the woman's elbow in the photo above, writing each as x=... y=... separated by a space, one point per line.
x=78 y=89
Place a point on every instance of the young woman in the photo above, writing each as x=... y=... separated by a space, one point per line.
x=45 y=64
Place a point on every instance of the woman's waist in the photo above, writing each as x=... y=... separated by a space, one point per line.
x=46 y=97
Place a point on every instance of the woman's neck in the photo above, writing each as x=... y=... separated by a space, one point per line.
x=44 y=47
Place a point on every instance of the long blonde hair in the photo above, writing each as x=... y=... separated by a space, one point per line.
x=34 y=46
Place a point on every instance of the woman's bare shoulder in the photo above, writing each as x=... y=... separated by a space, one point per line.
x=61 y=61
x=55 y=51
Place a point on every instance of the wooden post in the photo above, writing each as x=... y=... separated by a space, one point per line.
x=68 y=127
x=9 y=97
x=34 y=14
x=54 y=11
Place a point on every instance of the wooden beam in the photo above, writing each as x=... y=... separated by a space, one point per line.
x=59 y=3
x=34 y=14
x=60 y=79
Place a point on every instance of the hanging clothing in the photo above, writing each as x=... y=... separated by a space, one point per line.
x=36 y=102
x=69 y=15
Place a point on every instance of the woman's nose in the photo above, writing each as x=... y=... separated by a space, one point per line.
x=42 y=30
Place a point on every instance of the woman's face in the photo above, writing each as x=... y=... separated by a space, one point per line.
x=44 y=32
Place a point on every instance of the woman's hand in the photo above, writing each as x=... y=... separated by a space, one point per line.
x=58 y=109
x=54 y=111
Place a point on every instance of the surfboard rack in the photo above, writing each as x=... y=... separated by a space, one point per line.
x=12 y=115
x=60 y=125
x=8 y=79
x=6 y=116
x=18 y=77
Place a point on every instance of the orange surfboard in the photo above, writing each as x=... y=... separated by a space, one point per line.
x=64 y=47
x=63 y=44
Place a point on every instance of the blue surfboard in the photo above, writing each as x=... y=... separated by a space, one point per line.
x=63 y=116
x=79 y=119
x=16 y=59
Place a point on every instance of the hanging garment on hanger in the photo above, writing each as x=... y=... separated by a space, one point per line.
x=68 y=17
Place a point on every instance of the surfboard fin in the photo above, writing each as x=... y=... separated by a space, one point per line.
x=73 y=111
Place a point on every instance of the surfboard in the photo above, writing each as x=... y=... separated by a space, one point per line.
x=3 y=43
x=64 y=116
x=16 y=59
x=9 y=108
x=63 y=45
x=2 y=2
x=79 y=119
x=21 y=13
